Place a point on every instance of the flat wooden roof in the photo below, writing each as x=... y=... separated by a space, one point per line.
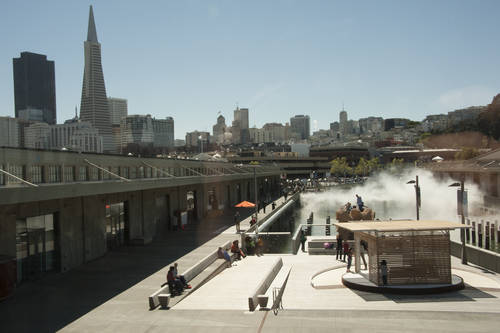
x=400 y=225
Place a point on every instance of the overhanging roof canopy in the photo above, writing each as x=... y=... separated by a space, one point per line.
x=405 y=225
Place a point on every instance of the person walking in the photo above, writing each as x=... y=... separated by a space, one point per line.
x=345 y=247
x=237 y=221
x=349 y=260
x=339 y=247
x=303 y=239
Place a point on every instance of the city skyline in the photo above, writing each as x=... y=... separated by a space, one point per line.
x=277 y=59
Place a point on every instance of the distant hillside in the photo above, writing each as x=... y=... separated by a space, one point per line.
x=459 y=140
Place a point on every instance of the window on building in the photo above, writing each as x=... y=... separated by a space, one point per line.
x=82 y=173
x=16 y=170
x=68 y=174
x=36 y=174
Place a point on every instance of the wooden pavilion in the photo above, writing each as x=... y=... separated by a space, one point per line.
x=416 y=252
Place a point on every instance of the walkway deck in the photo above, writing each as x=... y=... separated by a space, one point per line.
x=110 y=295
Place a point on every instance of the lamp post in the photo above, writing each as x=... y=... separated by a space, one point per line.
x=256 y=201
x=460 y=207
x=417 y=194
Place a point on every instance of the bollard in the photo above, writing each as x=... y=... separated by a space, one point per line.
x=480 y=234
x=467 y=232
x=327 y=228
x=487 y=235
x=473 y=233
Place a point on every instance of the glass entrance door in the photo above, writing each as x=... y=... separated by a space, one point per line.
x=115 y=225
x=36 y=246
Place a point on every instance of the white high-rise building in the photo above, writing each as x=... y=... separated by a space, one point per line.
x=9 y=132
x=117 y=109
x=37 y=136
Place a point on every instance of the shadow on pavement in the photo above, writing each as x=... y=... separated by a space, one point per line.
x=57 y=299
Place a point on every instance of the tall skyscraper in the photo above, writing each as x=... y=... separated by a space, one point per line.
x=343 y=123
x=35 y=85
x=240 y=126
x=94 y=105
x=117 y=109
x=163 y=130
x=300 y=125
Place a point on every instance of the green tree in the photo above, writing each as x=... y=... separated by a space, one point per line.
x=363 y=167
x=340 y=167
x=396 y=165
x=466 y=153
x=374 y=164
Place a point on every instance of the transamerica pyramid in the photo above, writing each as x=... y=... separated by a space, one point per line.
x=94 y=103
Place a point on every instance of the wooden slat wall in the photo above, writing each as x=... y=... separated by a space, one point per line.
x=412 y=257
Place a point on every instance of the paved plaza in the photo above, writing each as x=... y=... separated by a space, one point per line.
x=110 y=295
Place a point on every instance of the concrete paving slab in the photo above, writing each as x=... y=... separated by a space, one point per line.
x=231 y=288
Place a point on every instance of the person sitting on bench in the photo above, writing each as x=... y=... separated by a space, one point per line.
x=235 y=248
x=174 y=284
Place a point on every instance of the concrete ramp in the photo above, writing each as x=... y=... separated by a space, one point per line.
x=229 y=290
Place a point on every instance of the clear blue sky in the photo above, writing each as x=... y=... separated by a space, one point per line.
x=191 y=59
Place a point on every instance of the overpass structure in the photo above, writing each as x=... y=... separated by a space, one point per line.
x=59 y=209
x=291 y=166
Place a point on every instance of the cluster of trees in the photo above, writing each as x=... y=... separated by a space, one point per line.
x=466 y=153
x=340 y=167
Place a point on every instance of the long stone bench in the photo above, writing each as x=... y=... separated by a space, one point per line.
x=279 y=282
x=206 y=268
x=263 y=285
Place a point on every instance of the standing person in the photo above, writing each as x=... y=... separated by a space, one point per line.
x=339 y=246
x=237 y=221
x=258 y=246
x=303 y=240
x=349 y=260
x=364 y=248
x=360 y=203
x=383 y=271
x=345 y=247
x=253 y=221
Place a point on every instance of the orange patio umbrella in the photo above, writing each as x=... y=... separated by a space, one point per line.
x=245 y=204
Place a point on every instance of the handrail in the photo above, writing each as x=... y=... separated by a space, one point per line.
x=20 y=179
x=107 y=171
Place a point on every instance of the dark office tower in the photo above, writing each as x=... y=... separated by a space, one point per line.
x=35 y=85
x=94 y=106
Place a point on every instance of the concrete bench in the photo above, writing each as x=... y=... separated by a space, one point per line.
x=190 y=274
x=279 y=282
x=154 y=299
x=263 y=285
